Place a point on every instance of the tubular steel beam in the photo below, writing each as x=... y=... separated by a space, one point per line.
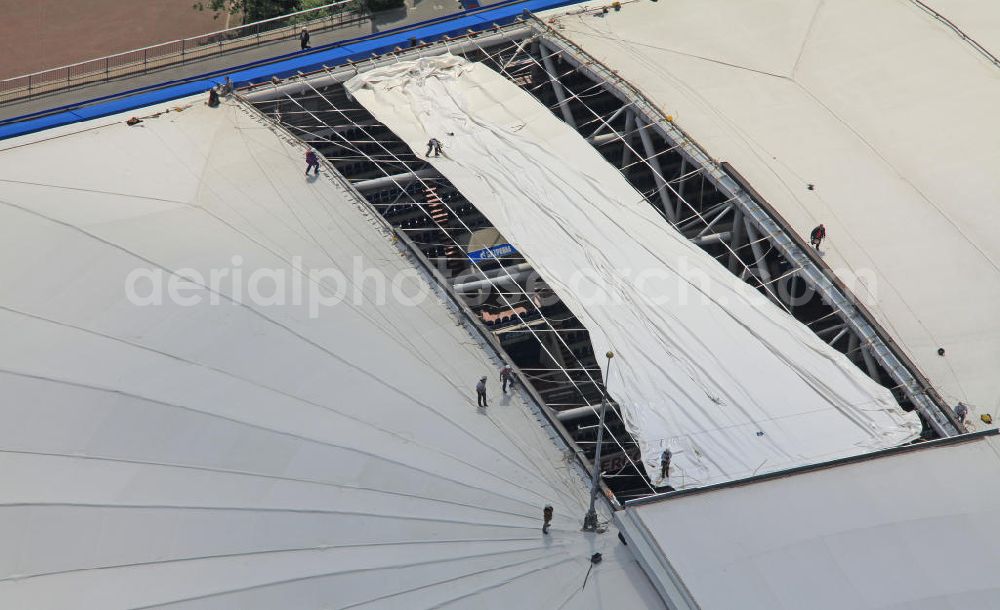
x=852 y=346
x=654 y=166
x=395 y=180
x=627 y=140
x=870 y=364
x=739 y=236
x=515 y=275
x=606 y=123
x=712 y=223
x=682 y=182
x=557 y=86
x=758 y=254
x=713 y=238
x=604 y=138
x=843 y=331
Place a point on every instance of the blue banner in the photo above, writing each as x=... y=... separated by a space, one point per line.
x=497 y=251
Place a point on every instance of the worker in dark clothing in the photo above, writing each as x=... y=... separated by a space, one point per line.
x=818 y=234
x=433 y=145
x=304 y=39
x=481 y=392
x=665 y=463
x=213 y=97
x=312 y=162
x=505 y=377
x=546 y=518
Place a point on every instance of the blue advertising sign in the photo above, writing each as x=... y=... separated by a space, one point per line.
x=497 y=251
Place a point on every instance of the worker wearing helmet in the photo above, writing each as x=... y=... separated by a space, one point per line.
x=481 y=392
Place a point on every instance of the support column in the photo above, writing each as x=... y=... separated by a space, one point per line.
x=793 y=283
x=627 y=141
x=852 y=344
x=550 y=69
x=739 y=236
x=870 y=364
x=680 y=187
x=654 y=165
x=762 y=270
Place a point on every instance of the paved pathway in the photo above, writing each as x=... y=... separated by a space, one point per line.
x=415 y=11
x=40 y=34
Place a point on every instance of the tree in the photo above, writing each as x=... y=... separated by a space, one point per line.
x=253 y=10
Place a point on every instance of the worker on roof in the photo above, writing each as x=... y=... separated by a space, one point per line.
x=304 y=39
x=665 y=464
x=818 y=235
x=961 y=410
x=312 y=161
x=481 y=392
x=546 y=518
x=213 y=97
x=433 y=145
x=506 y=376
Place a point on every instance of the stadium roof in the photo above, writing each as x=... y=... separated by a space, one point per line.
x=230 y=453
x=872 y=117
x=242 y=454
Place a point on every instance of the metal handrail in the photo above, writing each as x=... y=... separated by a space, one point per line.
x=166 y=53
x=183 y=40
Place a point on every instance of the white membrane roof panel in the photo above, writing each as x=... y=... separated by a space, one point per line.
x=241 y=452
x=885 y=111
x=910 y=531
x=704 y=365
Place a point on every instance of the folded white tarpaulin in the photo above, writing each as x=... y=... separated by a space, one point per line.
x=704 y=365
